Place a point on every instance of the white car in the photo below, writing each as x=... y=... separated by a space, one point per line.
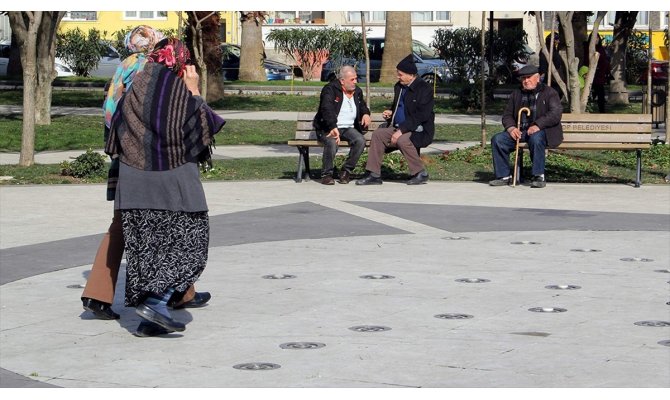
x=107 y=65
x=61 y=68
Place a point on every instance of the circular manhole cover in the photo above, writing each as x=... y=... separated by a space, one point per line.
x=547 y=309
x=370 y=328
x=563 y=287
x=262 y=366
x=377 y=276
x=76 y=286
x=454 y=316
x=525 y=242
x=279 y=276
x=455 y=238
x=586 y=250
x=640 y=259
x=664 y=342
x=472 y=280
x=302 y=345
x=653 y=323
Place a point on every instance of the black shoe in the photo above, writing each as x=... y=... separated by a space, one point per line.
x=501 y=181
x=99 y=309
x=370 y=180
x=419 y=179
x=199 y=300
x=154 y=316
x=149 y=329
x=538 y=182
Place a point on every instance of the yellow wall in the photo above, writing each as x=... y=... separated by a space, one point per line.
x=112 y=21
x=660 y=51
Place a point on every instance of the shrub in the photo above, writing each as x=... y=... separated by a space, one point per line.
x=79 y=51
x=89 y=164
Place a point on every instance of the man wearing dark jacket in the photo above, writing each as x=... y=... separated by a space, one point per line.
x=342 y=114
x=412 y=126
x=541 y=129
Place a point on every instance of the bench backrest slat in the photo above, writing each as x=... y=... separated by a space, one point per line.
x=305 y=130
x=605 y=138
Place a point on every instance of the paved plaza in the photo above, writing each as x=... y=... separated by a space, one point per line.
x=444 y=285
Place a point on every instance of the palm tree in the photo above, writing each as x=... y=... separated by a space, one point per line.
x=398 y=43
x=252 y=50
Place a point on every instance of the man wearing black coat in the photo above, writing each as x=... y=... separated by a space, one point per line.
x=411 y=126
x=541 y=129
x=342 y=114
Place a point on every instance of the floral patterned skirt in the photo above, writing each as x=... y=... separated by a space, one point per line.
x=164 y=249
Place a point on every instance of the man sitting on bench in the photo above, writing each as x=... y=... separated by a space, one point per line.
x=342 y=114
x=539 y=128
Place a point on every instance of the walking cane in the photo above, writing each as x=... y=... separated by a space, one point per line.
x=516 y=150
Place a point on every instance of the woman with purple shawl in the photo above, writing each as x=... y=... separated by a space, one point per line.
x=160 y=131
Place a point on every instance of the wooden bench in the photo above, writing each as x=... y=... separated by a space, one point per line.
x=305 y=138
x=605 y=132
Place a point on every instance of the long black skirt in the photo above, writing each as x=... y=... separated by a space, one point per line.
x=164 y=249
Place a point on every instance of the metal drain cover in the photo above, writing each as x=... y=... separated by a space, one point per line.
x=664 y=342
x=525 y=242
x=640 y=259
x=455 y=238
x=454 y=316
x=370 y=328
x=377 y=276
x=302 y=345
x=563 y=287
x=257 y=366
x=653 y=323
x=76 y=286
x=279 y=276
x=586 y=250
x=547 y=309
x=472 y=280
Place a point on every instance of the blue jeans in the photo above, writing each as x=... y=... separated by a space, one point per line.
x=502 y=145
x=356 y=143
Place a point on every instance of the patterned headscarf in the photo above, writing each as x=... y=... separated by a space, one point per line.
x=173 y=54
x=139 y=41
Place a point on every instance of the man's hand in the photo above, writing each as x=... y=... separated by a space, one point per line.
x=533 y=129
x=514 y=132
x=365 y=121
x=394 y=138
x=191 y=79
x=334 y=133
x=387 y=114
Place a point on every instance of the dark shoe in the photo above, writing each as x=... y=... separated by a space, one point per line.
x=345 y=177
x=99 y=309
x=199 y=300
x=501 y=181
x=419 y=179
x=369 y=180
x=327 y=180
x=149 y=329
x=538 y=182
x=154 y=316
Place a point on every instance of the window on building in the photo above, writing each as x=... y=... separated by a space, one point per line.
x=81 y=16
x=380 y=16
x=145 y=14
x=302 y=17
x=610 y=19
x=430 y=16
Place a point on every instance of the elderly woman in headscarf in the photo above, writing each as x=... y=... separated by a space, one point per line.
x=160 y=131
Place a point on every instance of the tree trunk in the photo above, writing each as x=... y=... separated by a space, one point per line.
x=252 y=53
x=397 y=43
x=591 y=60
x=579 y=29
x=572 y=62
x=46 y=73
x=623 y=26
x=25 y=24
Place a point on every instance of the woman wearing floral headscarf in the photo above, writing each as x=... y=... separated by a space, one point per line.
x=160 y=131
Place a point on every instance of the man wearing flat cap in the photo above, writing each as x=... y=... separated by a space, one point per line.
x=541 y=128
x=411 y=126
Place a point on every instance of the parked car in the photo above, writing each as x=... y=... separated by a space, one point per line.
x=61 y=69
x=107 y=64
x=659 y=73
x=429 y=65
x=230 y=55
